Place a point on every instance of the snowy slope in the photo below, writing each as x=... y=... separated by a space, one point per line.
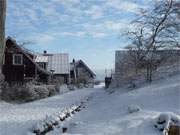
x=108 y=114
x=104 y=114
x=19 y=119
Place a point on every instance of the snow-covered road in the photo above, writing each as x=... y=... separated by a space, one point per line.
x=108 y=114
x=18 y=119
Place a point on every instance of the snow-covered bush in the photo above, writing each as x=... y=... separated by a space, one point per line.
x=27 y=92
x=53 y=90
x=41 y=91
x=6 y=92
x=89 y=85
x=133 y=108
x=57 y=88
x=131 y=85
x=1 y=83
x=81 y=85
x=48 y=124
x=72 y=87
x=165 y=120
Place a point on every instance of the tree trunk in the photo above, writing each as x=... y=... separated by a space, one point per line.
x=2 y=31
x=149 y=73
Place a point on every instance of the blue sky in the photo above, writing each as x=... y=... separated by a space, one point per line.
x=86 y=29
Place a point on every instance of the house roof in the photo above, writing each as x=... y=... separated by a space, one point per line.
x=83 y=63
x=27 y=54
x=41 y=58
x=58 y=62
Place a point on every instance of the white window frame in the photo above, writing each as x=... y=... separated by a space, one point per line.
x=19 y=55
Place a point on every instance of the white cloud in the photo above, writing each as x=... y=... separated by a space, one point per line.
x=41 y=38
x=107 y=26
x=116 y=25
x=74 y=34
x=95 y=12
x=98 y=34
x=43 y=16
x=50 y=36
x=94 y=34
x=67 y=2
x=123 y=5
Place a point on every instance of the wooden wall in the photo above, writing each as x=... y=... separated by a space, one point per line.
x=16 y=73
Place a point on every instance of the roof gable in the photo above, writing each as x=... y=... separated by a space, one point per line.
x=26 y=54
x=85 y=66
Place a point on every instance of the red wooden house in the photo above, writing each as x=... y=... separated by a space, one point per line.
x=19 y=65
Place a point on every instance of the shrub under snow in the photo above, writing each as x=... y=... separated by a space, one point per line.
x=41 y=91
x=27 y=92
x=133 y=108
x=50 y=122
x=53 y=90
x=165 y=120
x=56 y=120
x=72 y=87
x=1 y=82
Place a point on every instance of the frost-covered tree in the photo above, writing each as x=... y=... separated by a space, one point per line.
x=154 y=30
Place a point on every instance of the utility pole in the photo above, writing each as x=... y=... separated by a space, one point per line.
x=74 y=67
x=2 y=31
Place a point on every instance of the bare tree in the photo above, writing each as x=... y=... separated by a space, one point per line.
x=2 y=30
x=156 y=29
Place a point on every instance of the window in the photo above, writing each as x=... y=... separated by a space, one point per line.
x=17 y=59
x=42 y=65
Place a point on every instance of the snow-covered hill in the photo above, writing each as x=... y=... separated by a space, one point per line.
x=104 y=114
x=108 y=114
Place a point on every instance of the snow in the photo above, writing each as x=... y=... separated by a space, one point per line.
x=164 y=120
x=63 y=89
x=101 y=85
x=18 y=119
x=104 y=114
x=133 y=108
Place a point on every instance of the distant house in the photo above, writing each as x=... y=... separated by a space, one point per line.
x=57 y=64
x=81 y=73
x=19 y=65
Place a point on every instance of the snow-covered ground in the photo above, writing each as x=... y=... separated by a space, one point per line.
x=120 y=113
x=108 y=114
x=18 y=119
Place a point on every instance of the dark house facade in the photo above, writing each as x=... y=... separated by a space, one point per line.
x=19 y=66
x=81 y=73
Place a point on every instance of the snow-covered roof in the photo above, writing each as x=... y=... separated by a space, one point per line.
x=59 y=63
x=83 y=63
x=41 y=58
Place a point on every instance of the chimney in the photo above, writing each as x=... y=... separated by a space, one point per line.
x=45 y=52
